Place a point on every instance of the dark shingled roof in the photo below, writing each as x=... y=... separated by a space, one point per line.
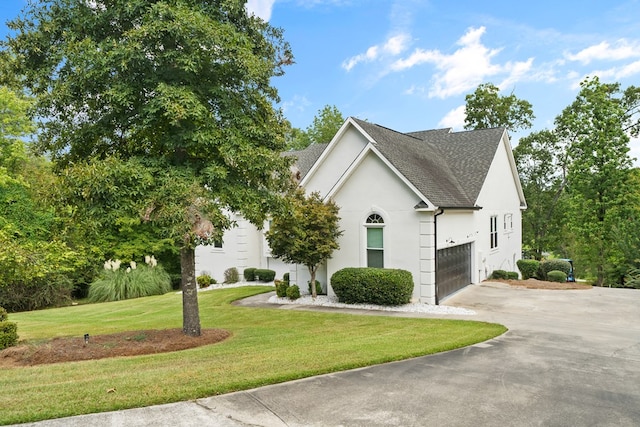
x=449 y=168
x=307 y=157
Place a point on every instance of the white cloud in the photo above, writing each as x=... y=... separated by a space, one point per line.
x=614 y=74
x=454 y=118
x=622 y=49
x=465 y=68
x=296 y=104
x=393 y=46
x=260 y=8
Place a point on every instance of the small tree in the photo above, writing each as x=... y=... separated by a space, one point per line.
x=307 y=233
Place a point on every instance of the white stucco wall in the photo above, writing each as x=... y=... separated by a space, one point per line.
x=499 y=197
x=373 y=188
x=336 y=160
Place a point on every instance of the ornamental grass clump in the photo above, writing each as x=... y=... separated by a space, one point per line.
x=135 y=281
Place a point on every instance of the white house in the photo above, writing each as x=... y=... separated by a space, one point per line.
x=444 y=205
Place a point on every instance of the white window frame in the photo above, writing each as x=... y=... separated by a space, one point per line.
x=493 y=232
x=374 y=220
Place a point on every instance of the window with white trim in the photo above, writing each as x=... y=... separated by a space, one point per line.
x=508 y=222
x=375 y=241
x=493 y=235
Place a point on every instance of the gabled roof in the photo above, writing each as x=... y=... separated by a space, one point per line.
x=306 y=157
x=448 y=168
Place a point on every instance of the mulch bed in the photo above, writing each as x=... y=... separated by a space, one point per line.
x=131 y=343
x=541 y=284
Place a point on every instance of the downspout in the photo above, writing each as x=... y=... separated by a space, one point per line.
x=439 y=212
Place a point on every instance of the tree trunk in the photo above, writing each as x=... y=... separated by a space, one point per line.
x=190 y=310
x=312 y=271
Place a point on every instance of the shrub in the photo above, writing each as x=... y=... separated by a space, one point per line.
x=249 y=274
x=512 y=275
x=231 y=275
x=285 y=277
x=8 y=331
x=380 y=286
x=8 y=334
x=265 y=275
x=293 y=292
x=553 y=264
x=557 y=276
x=632 y=279
x=319 y=290
x=117 y=284
x=498 y=274
x=528 y=267
x=281 y=289
x=35 y=275
x=203 y=280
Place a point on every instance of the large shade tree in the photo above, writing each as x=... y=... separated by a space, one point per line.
x=596 y=129
x=486 y=108
x=177 y=91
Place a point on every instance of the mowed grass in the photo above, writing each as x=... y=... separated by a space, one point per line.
x=267 y=346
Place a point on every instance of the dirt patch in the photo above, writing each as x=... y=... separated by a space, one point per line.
x=132 y=343
x=541 y=284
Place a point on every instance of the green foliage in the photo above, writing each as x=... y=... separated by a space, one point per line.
x=231 y=275
x=33 y=274
x=285 y=277
x=3 y=314
x=498 y=274
x=597 y=125
x=373 y=285
x=557 y=276
x=485 y=108
x=15 y=125
x=189 y=117
x=249 y=274
x=319 y=290
x=553 y=264
x=542 y=161
x=281 y=289
x=632 y=279
x=293 y=292
x=265 y=275
x=117 y=283
x=203 y=280
x=306 y=232
x=528 y=267
x=326 y=124
x=8 y=334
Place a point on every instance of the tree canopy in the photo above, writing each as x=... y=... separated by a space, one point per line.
x=307 y=233
x=178 y=91
x=326 y=124
x=486 y=108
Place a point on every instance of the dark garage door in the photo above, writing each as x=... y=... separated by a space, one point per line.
x=453 y=269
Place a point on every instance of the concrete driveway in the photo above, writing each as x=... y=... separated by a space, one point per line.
x=570 y=358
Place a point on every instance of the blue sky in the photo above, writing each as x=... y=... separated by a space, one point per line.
x=408 y=64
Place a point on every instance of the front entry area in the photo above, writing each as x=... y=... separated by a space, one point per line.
x=453 y=270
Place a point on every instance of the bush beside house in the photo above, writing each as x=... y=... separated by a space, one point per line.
x=379 y=286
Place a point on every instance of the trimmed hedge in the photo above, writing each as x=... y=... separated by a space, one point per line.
x=381 y=286
x=553 y=264
x=503 y=274
x=557 y=276
x=264 y=275
x=285 y=277
x=249 y=274
x=528 y=267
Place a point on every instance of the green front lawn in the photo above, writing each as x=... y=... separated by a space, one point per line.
x=267 y=346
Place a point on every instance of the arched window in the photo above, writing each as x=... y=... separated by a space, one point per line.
x=375 y=241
